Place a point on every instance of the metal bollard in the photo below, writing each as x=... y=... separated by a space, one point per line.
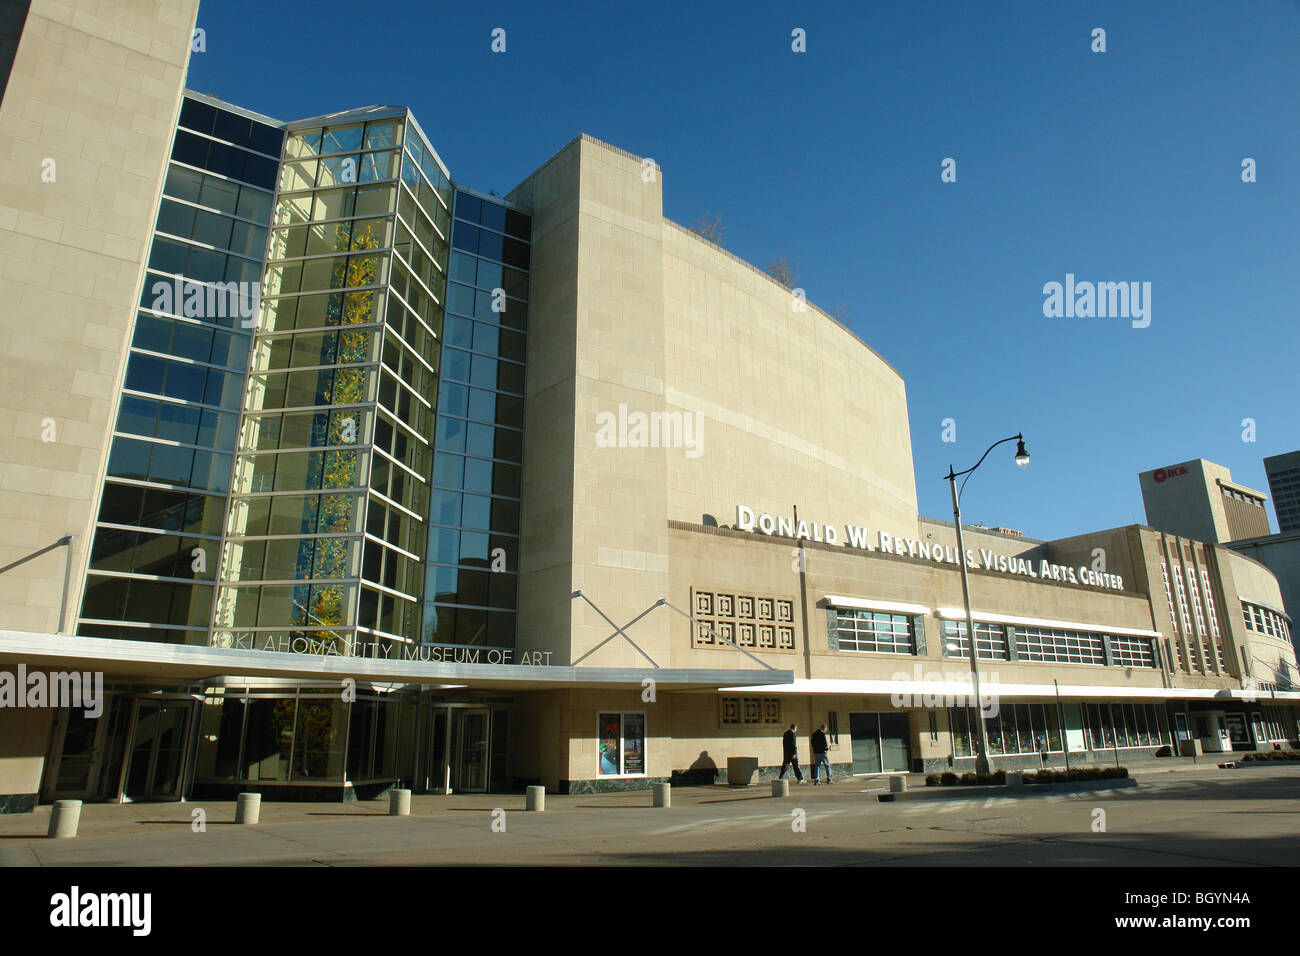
x=248 y=808
x=536 y=799
x=898 y=785
x=663 y=795
x=64 y=818
x=399 y=803
x=780 y=788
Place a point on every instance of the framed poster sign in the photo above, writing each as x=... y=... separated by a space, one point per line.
x=620 y=744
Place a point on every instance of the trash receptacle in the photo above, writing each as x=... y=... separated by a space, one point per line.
x=741 y=771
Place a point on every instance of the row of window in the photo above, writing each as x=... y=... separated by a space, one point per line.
x=321 y=311
x=113 y=598
x=191 y=340
x=1125 y=725
x=484 y=305
x=1047 y=645
x=488 y=275
x=1249 y=499
x=1279 y=723
x=1262 y=620
x=878 y=632
x=296 y=514
x=1015 y=729
x=154 y=418
x=161 y=509
x=875 y=632
x=223 y=196
x=225 y=160
x=473 y=549
x=231 y=127
x=169 y=465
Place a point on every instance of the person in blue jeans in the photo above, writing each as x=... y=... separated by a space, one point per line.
x=821 y=753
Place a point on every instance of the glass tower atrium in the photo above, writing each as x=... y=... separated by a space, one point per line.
x=318 y=450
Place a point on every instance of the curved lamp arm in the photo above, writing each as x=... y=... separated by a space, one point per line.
x=1020 y=451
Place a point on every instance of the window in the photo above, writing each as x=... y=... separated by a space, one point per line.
x=1209 y=603
x=874 y=632
x=1182 y=601
x=1134 y=725
x=620 y=744
x=1015 y=729
x=1169 y=597
x=1131 y=652
x=1196 y=600
x=1058 y=647
x=991 y=638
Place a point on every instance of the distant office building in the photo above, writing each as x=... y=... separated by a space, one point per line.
x=1284 y=484
x=1198 y=499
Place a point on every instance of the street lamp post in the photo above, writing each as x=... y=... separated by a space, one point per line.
x=1022 y=459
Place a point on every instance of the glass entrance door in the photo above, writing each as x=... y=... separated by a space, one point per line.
x=865 y=731
x=881 y=742
x=86 y=755
x=895 y=747
x=79 y=754
x=159 y=742
x=471 y=766
x=438 y=778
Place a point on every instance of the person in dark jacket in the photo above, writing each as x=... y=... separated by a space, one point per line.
x=820 y=752
x=790 y=751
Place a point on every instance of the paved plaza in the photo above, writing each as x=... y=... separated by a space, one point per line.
x=1197 y=816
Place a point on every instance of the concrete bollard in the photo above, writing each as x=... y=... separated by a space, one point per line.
x=64 y=818
x=898 y=785
x=1015 y=780
x=663 y=795
x=535 y=799
x=248 y=808
x=399 y=803
x=780 y=788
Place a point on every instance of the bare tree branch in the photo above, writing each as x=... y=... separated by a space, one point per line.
x=784 y=271
x=711 y=229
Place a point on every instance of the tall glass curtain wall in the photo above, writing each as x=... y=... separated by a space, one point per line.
x=324 y=540
x=474 y=539
x=154 y=552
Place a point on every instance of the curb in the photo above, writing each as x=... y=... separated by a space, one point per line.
x=956 y=792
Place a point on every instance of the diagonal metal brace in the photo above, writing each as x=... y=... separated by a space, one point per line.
x=617 y=630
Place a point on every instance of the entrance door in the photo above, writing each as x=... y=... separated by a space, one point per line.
x=1237 y=733
x=471 y=769
x=438 y=777
x=159 y=741
x=86 y=754
x=865 y=731
x=895 y=745
x=79 y=751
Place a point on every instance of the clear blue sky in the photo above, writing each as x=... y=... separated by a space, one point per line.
x=1115 y=166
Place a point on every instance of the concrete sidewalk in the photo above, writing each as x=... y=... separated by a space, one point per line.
x=1206 y=817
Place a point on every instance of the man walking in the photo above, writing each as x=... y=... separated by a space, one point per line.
x=820 y=751
x=790 y=750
